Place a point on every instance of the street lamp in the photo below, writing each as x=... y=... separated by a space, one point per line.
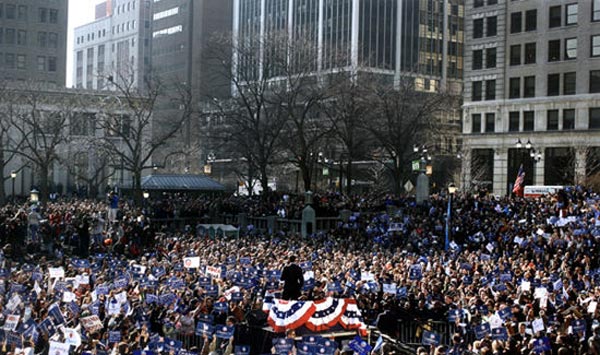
x=451 y=190
x=146 y=195
x=13 y=177
x=34 y=196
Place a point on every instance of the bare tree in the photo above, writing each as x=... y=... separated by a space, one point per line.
x=253 y=119
x=8 y=141
x=403 y=116
x=40 y=121
x=127 y=120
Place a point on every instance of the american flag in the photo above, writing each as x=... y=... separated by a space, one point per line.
x=518 y=188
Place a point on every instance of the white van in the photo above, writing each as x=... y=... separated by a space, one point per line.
x=537 y=191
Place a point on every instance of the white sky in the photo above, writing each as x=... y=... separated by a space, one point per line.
x=80 y=13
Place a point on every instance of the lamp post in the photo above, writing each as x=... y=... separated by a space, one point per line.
x=146 y=195
x=451 y=190
x=34 y=196
x=13 y=177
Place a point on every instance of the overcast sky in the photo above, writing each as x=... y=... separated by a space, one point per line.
x=80 y=13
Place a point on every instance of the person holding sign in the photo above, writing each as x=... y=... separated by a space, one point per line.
x=293 y=279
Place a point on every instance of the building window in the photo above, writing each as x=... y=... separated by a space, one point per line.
x=554 y=50
x=476 y=123
x=21 y=61
x=490 y=123
x=569 y=83
x=490 y=58
x=43 y=14
x=52 y=39
x=528 y=120
x=41 y=63
x=492 y=2
x=490 y=90
x=10 y=36
x=595 y=51
x=514 y=91
x=11 y=11
x=166 y=13
x=513 y=121
x=529 y=86
x=571 y=14
x=570 y=48
x=553 y=84
x=516 y=22
x=22 y=13
x=478 y=28
x=554 y=16
x=22 y=38
x=594 y=119
x=42 y=39
x=476 y=88
x=530 y=20
x=1 y=10
x=569 y=119
x=530 y=49
x=478 y=3
x=594 y=81
x=51 y=64
x=515 y=54
x=595 y=10
x=9 y=61
x=492 y=26
x=167 y=31
x=477 y=59
x=552 y=120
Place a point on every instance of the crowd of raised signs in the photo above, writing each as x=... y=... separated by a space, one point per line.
x=519 y=276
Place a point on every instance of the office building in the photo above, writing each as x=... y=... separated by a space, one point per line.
x=116 y=45
x=33 y=41
x=532 y=92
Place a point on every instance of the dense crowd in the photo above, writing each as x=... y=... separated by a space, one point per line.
x=518 y=276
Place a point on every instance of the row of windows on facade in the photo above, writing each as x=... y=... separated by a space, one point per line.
x=553 y=85
x=525 y=121
x=529 y=56
x=101 y=51
x=11 y=36
x=19 y=61
x=126 y=7
x=516 y=21
x=125 y=26
x=21 y=13
x=554 y=14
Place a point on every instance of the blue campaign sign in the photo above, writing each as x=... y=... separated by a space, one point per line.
x=306 y=266
x=114 y=336
x=454 y=315
x=120 y=283
x=224 y=332
x=221 y=307
x=505 y=277
x=431 y=338
x=143 y=352
x=306 y=349
x=283 y=345
x=166 y=299
x=272 y=285
x=203 y=328
x=158 y=271
x=150 y=298
x=231 y=260
x=466 y=266
x=416 y=272
x=102 y=290
x=311 y=339
x=274 y=274
x=499 y=333
x=237 y=296
x=242 y=350
x=401 y=292
x=245 y=260
x=326 y=342
x=37 y=276
x=206 y=318
x=500 y=287
x=360 y=346
x=211 y=290
x=505 y=313
x=324 y=350
x=578 y=325
x=483 y=309
x=467 y=280
x=542 y=345
x=308 y=284
x=334 y=287
x=204 y=281
x=173 y=344
x=482 y=330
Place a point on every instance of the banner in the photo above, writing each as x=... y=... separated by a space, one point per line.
x=91 y=323
x=11 y=322
x=191 y=262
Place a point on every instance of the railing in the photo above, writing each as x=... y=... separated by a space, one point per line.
x=410 y=332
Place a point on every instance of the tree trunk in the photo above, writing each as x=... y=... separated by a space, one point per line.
x=137 y=187
x=306 y=177
x=43 y=196
x=264 y=182
x=2 y=166
x=349 y=177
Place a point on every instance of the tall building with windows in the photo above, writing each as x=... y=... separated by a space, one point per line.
x=33 y=41
x=531 y=93
x=422 y=38
x=117 y=45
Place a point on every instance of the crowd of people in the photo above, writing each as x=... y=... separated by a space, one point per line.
x=507 y=276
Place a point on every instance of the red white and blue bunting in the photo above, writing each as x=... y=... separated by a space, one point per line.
x=317 y=316
x=327 y=314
